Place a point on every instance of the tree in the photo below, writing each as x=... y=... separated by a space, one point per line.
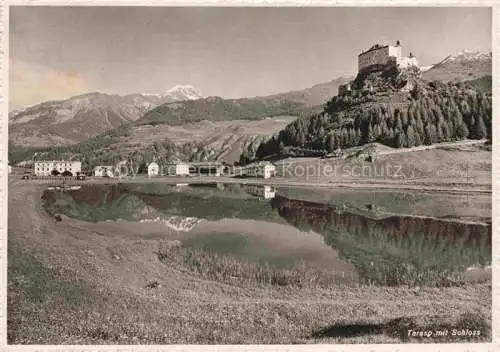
x=67 y=173
x=410 y=137
x=331 y=143
x=400 y=139
x=370 y=135
x=134 y=161
x=281 y=149
x=462 y=131
x=480 y=131
x=55 y=172
x=143 y=168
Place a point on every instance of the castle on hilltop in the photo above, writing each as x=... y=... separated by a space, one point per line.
x=381 y=55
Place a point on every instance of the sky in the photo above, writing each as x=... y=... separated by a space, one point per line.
x=58 y=52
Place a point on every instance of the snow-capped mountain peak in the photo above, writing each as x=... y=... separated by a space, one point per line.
x=467 y=55
x=188 y=91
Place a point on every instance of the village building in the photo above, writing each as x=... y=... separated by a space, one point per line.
x=381 y=55
x=103 y=171
x=262 y=169
x=177 y=169
x=233 y=170
x=153 y=169
x=57 y=167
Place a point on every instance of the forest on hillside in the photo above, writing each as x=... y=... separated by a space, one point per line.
x=433 y=113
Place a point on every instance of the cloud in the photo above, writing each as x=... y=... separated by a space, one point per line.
x=31 y=84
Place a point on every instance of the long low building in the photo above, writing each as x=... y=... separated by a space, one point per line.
x=177 y=169
x=57 y=167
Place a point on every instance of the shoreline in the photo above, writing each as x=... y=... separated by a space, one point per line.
x=275 y=182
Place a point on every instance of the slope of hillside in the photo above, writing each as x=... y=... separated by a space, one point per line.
x=466 y=65
x=80 y=117
x=317 y=94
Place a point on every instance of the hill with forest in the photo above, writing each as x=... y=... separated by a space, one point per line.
x=392 y=106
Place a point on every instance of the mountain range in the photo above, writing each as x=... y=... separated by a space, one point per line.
x=76 y=119
x=80 y=117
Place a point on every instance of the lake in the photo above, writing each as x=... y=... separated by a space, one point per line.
x=374 y=237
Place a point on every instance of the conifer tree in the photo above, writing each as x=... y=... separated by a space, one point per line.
x=480 y=131
x=410 y=137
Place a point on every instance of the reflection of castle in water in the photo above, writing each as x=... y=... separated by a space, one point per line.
x=265 y=192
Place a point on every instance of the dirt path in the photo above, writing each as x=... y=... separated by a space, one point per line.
x=69 y=284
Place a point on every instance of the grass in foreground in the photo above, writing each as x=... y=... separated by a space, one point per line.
x=46 y=307
x=228 y=269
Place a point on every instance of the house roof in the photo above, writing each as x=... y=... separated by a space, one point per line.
x=57 y=161
x=206 y=163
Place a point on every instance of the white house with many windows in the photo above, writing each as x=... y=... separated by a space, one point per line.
x=56 y=167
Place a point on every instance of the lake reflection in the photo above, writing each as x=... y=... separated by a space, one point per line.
x=258 y=224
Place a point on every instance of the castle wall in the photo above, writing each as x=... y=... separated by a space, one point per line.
x=373 y=57
x=395 y=51
x=405 y=62
x=383 y=56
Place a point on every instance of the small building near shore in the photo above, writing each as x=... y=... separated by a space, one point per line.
x=153 y=169
x=10 y=169
x=103 y=171
x=262 y=169
x=177 y=169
